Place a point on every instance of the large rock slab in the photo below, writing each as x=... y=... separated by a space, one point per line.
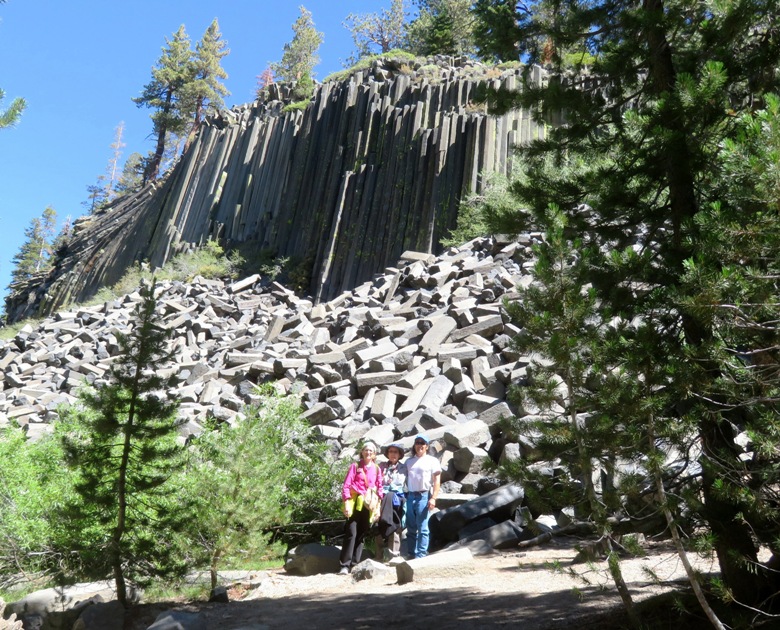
x=499 y=504
x=472 y=433
x=438 y=566
x=102 y=616
x=179 y=620
x=58 y=599
x=503 y=535
x=312 y=559
x=437 y=335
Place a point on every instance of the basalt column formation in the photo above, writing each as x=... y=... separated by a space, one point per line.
x=375 y=165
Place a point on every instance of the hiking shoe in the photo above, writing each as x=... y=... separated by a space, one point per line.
x=343 y=571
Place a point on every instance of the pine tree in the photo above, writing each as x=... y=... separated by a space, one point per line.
x=496 y=29
x=264 y=79
x=443 y=27
x=131 y=178
x=563 y=329
x=34 y=255
x=376 y=32
x=120 y=441
x=240 y=480
x=205 y=91
x=64 y=236
x=165 y=94
x=97 y=195
x=300 y=54
x=643 y=140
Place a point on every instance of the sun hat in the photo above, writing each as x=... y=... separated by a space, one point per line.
x=400 y=448
x=423 y=437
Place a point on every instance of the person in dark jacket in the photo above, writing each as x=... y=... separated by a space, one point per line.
x=391 y=518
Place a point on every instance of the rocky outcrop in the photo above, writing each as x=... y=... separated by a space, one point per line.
x=375 y=165
x=424 y=346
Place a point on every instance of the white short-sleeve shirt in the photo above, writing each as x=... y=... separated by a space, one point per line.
x=420 y=472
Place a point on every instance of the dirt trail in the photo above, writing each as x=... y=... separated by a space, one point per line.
x=510 y=589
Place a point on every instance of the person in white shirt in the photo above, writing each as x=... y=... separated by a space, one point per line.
x=423 y=480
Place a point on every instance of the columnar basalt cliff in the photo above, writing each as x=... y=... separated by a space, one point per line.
x=375 y=165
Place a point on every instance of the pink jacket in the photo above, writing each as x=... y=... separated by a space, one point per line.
x=355 y=482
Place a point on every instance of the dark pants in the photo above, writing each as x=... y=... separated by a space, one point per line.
x=355 y=531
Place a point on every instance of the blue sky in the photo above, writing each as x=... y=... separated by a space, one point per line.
x=79 y=62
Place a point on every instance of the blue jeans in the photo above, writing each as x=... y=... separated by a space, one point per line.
x=417 y=532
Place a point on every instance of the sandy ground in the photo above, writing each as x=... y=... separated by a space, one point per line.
x=511 y=589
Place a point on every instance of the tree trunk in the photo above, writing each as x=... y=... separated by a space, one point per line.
x=119 y=529
x=613 y=562
x=213 y=567
x=663 y=82
x=122 y=491
x=733 y=542
x=692 y=577
x=153 y=169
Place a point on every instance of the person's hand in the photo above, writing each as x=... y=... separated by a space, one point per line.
x=431 y=503
x=346 y=511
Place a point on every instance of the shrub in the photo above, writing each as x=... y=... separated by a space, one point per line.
x=296 y=106
x=475 y=212
x=257 y=483
x=33 y=486
x=397 y=56
x=209 y=261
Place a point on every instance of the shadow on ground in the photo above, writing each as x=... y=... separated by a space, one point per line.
x=592 y=609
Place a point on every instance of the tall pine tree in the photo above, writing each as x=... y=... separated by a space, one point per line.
x=205 y=91
x=644 y=138
x=120 y=441
x=563 y=329
x=35 y=253
x=443 y=27
x=166 y=95
x=300 y=56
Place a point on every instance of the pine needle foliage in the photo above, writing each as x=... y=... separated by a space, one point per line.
x=252 y=479
x=300 y=56
x=120 y=442
x=654 y=131
x=562 y=330
x=13 y=113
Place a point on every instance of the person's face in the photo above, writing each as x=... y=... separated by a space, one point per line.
x=367 y=454
x=393 y=455
x=420 y=447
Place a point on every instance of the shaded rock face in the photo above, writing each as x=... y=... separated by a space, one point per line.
x=376 y=165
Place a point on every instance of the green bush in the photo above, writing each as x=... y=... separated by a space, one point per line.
x=209 y=261
x=33 y=487
x=365 y=63
x=258 y=484
x=475 y=212
x=296 y=106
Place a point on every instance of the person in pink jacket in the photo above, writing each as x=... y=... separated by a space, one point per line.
x=361 y=493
